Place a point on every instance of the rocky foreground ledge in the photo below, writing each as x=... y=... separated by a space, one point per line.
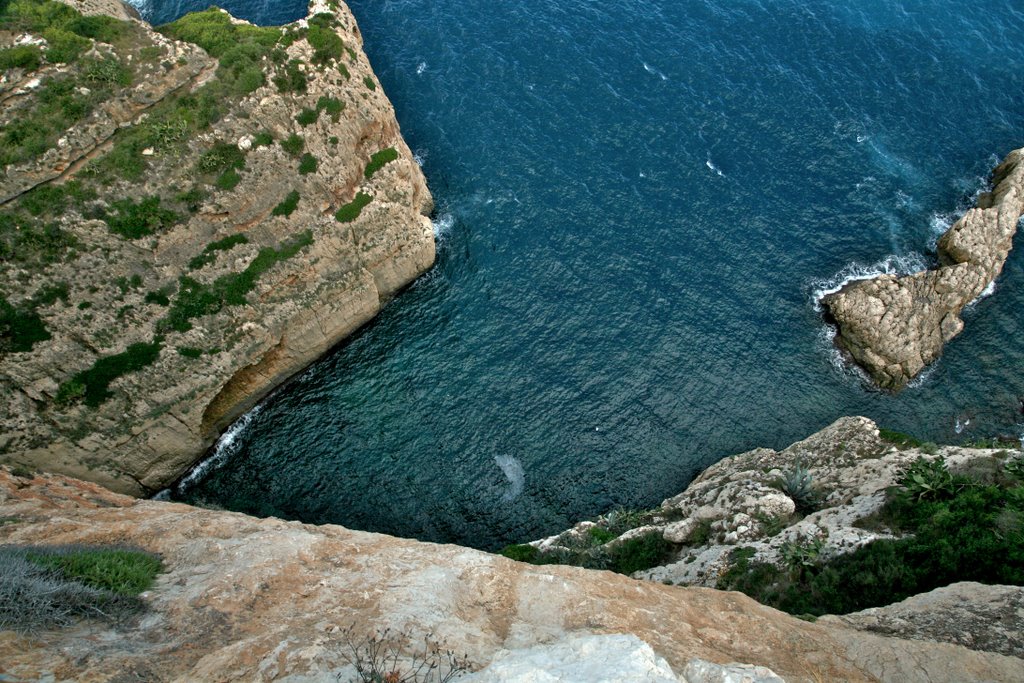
x=895 y=326
x=246 y=599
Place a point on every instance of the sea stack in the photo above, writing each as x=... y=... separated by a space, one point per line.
x=895 y=326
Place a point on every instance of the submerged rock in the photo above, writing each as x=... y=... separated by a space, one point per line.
x=895 y=326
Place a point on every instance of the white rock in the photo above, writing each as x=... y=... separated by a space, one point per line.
x=148 y=152
x=680 y=532
x=579 y=659
x=245 y=143
x=701 y=671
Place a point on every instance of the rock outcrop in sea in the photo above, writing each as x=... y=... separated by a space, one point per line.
x=246 y=599
x=895 y=326
x=182 y=229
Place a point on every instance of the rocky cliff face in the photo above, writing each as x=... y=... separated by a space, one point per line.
x=895 y=326
x=182 y=228
x=262 y=600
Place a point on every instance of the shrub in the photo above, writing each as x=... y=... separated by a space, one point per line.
x=262 y=139
x=307 y=164
x=190 y=352
x=332 y=105
x=58 y=105
x=159 y=297
x=326 y=44
x=521 y=553
x=93 y=384
x=899 y=439
x=368 y=82
x=640 y=552
x=107 y=71
x=32 y=243
x=293 y=144
x=209 y=254
x=47 y=586
x=307 y=116
x=64 y=46
x=221 y=157
x=287 y=206
x=290 y=78
x=349 y=212
x=343 y=70
x=387 y=657
x=133 y=221
x=378 y=160
x=20 y=328
x=929 y=479
x=20 y=57
x=228 y=180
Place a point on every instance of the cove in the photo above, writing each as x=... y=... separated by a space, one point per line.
x=637 y=206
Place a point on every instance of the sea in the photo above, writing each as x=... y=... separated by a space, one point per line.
x=639 y=205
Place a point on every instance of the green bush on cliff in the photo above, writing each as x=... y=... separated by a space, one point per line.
x=307 y=116
x=332 y=105
x=41 y=16
x=58 y=105
x=93 y=385
x=378 y=160
x=134 y=220
x=307 y=164
x=293 y=144
x=287 y=205
x=209 y=254
x=20 y=57
x=20 y=328
x=349 y=212
x=33 y=243
x=954 y=529
x=289 y=77
x=327 y=45
x=196 y=299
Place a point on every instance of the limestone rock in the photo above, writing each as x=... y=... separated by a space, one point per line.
x=893 y=326
x=160 y=418
x=246 y=599
x=989 y=618
x=699 y=671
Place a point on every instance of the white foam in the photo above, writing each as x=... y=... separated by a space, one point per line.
x=226 y=446
x=421 y=67
x=713 y=168
x=893 y=264
x=513 y=471
x=651 y=70
x=443 y=226
x=420 y=157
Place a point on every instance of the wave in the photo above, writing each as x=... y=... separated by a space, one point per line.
x=513 y=471
x=893 y=264
x=443 y=225
x=226 y=446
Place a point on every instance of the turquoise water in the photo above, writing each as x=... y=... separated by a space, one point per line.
x=637 y=202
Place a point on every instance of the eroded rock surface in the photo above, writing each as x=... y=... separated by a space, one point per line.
x=261 y=600
x=895 y=326
x=194 y=320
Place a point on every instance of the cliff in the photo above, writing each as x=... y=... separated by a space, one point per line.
x=895 y=326
x=262 y=600
x=187 y=218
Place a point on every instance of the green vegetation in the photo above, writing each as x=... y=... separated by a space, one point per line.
x=93 y=385
x=32 y=243
x=190 y=352
x=332 y=105
x=262 y=139
x=378 y=160
x=307 y=164
x=48 y=586
x=327 y=45
x=899 y=439
x=221 y=157
x=307 y=116
x=798 y=484
x=228 y=180
x=639 y=552
x=343 y=70
x=522 y=552
x=287 y=206
x=20 y=328
x=368 y=82
x=955 y=528
x=631 y=555
x=21 y=57
x=133 y=221
x=290 y=78
x=58 y=105
x=159 y=297
x=196 y=299
x=349 y=212
x=64 y=46
x=293 y=144
x=239 y=48
x=209 y=254
x=68 y=34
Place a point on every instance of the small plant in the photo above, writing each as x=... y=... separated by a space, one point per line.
x=293 y=144
x=26 y=57
x=228 y=180
x=899 y=439
x=290 y=78
x=132 y=221
x=93 y=385
x=1015 y=467
x=190 y=352
x=368 y=82
x=798 y=484
x=522 y=552
x=801 y=556
x=307 y=117
x=263 y=139
x=640 y=552
x=349 y=212
x=20 y=327
x=287 y=205
x=332 y=105
x=327 y=45
x=598 y=535
x=307 y=164
x=929 y=480
x=378 y=160
x=209 y=254
x=388 y=657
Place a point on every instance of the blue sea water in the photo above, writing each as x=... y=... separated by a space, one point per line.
x=637 y=203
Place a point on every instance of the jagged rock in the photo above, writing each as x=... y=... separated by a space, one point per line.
x=162 y=417
x=989 y=618
x=579 y=659
x=247 y=599
x=699 y=671
x=895 y=326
